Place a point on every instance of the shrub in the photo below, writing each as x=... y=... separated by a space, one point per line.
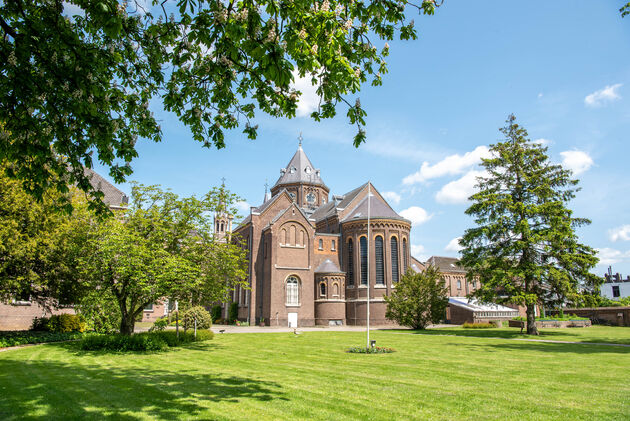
x=216 y=313
x=374 y=350
x=233 y=313
x=66 y=323
x=40 y=324
x=146 y=341
x=24 y=337
x=204 y=320
x=480 y=325
x=60 y=323
x=159 y=324
x=418 y=300
x=121 y=343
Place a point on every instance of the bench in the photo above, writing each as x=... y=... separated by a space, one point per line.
x=517 y=323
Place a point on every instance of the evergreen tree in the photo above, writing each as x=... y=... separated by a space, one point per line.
x=524 y=248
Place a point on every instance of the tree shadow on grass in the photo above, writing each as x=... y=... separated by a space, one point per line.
x=567 y=334
x=49 y=389
x=559 y=348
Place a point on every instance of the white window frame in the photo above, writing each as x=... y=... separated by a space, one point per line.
x=293 y=291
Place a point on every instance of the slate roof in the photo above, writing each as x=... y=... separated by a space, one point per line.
x=417 y=265
x=113 y=197
x=300 y=170
x=329 y=209
x=328 y=266
x=378 y=209
x=446 y=264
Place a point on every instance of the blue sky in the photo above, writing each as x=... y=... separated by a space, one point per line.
x=562 y=67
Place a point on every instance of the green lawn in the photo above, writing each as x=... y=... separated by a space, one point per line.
x=607 y=334
x=282 y=376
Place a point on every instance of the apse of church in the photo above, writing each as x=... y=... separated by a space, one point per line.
x=308 y=252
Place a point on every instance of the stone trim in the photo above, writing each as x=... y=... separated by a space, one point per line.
x=290 y=268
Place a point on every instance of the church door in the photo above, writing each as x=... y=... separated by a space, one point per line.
x=292 y=319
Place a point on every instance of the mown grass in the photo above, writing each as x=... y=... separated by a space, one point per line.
x=269 y=376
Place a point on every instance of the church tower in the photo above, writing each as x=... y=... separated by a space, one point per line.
x=303 y=182
x=222 y=221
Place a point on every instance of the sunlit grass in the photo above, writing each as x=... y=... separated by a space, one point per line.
x=311 y=376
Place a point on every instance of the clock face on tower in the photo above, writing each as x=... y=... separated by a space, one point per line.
x=310 y=198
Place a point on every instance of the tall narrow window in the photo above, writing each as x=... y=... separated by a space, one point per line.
x=394 y=248
x=322 y=289
x=364 y=260
x=333 y=245
x=321 y=244
x=405 y=259
x=293 y=291
x=380 y=269
x=350 y=263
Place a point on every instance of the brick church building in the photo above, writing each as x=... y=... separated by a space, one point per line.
x=308 y=252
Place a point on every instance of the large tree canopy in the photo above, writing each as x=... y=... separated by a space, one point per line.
x=161 y=246
x=78 y=88
x=524 y=248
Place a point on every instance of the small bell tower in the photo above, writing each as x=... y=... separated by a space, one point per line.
x=222 y=220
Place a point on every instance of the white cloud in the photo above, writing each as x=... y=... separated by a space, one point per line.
x=309 y=100
x=453 y=245
x=576 y=161
x=70 y=9
x=458 y=191
x=392 y=196
x=619 y=233
x=418 y=251
x=243 y=207
x=608 y=256
x=416 y=215
x=540 y=95
x=541 y=141
x=451 y=165
x=603 y=96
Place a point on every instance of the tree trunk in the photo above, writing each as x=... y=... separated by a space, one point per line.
x=127 y=324
x=531 y=320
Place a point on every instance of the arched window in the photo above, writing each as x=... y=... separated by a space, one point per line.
x=364 y=260
x=302 y=237
x=293 y=291
x=322 y=289
x=350 y=263
x=284 y=236
x=394 y=249
x=405 y=259
x=321 y=244
x=335 y=290
x=221 y=226
x=380 y=269
x=292 y=230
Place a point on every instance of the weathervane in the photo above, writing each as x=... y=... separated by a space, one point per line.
x=300 y=138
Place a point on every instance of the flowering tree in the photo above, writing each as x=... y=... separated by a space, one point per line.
x=77 y=83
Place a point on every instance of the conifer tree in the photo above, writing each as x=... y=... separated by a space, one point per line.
x=524 y=248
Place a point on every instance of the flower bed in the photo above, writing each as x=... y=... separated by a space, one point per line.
x=373 y=350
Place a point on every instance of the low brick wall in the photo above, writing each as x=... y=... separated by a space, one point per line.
x=618 y=316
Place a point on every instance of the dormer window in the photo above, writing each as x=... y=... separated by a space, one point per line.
x=292 y=170
x=307 y=170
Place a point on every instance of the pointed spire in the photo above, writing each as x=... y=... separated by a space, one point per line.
x=267 y=192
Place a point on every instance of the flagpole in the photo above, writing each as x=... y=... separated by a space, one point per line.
x=368 y=267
